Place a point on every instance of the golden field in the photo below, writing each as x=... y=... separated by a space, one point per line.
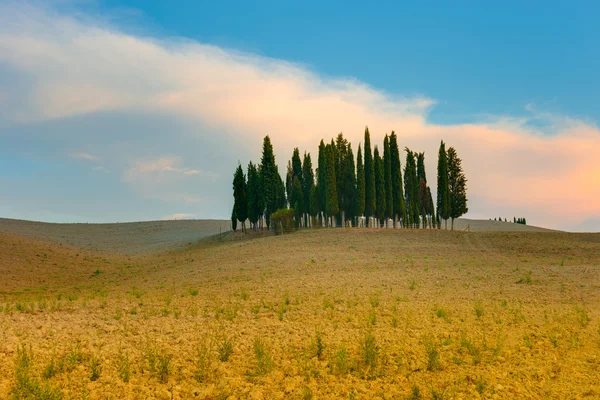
x=341 y=313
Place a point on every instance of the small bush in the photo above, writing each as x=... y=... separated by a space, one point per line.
x=526 y=278
x=340 y=361
x=53 y=367
x=264 y=362
x=158 y=363
x=203 y=362
x=415 y=393
x=479 y=310
x=283 y=218
x=319 y=345
x=369 y=355
x=95 y=367
x=123 y=366
x=225 y=350
x=27 y=387
x=433 y=356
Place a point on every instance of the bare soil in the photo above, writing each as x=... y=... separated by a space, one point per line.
x=338 y=313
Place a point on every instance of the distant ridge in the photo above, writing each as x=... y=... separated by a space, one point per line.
x=156 y=236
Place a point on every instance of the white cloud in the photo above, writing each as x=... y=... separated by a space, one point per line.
x=162 y=169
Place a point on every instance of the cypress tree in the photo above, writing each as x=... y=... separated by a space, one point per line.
x=387 y=169
x=370 y=192
x=280 y=200
x=457 y=184
x=379 y=186
x=443 y=191
x=349 y=185
x=360 y=185
x=240 y=204
x=423 y=199
x=341 y=159
x=254 y=211
x=272 y=185
x=431 y=209
x=331 y=205
x=297 y=164
x=399 y=206
x=297 y=200
x=421 y=167
x=322 y=179
x=411 y=189
x=233 y=220
x=308 y=184
x=289 y=180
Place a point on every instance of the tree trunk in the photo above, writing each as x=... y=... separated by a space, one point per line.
x=452 y=223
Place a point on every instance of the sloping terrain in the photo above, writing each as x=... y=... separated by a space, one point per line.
x=125 y=238
x=159 y=236
x=322 y=313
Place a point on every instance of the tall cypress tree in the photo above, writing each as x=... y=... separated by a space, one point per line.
x=443 y=192
x=387 y=169
x=240 y=204
x=421 y=167
x=280 y=200
x=399 y=206
x=431 y=210
x=308 y=184
x=379 y=186
x=331 y=206
x=370 y=193
x=297 y=200
x=360 y=185
x=349 y=185
x=322 y=178
x=422 y=178
x=423 y=201
x=297 y=164
x=457 y=184
x=289 y=180
x=411 y=189
x=341 y=159
x=233 y=219
x=272 y=185
x=254 y=210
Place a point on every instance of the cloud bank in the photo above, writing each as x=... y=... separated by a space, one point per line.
x=73 y=66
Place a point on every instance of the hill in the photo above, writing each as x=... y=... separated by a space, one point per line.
x=125 y=238
x=322 y=313
x=160 y=236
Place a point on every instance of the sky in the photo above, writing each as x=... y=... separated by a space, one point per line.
x=135 y=110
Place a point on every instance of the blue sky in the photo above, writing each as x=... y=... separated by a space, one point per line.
x=473 y=57
x=136 y=110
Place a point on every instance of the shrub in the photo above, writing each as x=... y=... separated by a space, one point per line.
x=264 y=362
x=123 y=366
x=95 y=367
x=27 y=387
x=369 y=355
x=225 y=349
x=283 y=218
x=433 y=356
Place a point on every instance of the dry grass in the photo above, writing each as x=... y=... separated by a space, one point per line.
x=319 y=314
